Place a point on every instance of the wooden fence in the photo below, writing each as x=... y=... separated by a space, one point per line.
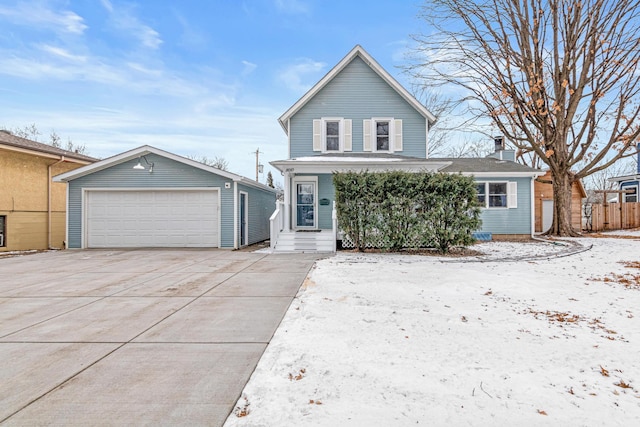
x=614 y=216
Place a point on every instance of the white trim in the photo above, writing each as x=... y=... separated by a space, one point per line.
x=294 y=205
x=374 y=134
x=83 y=206
x=532 y=206
x=487 y=194
x=323 y=134
x=512 y=194
x=346 y=165
x=235 y=215
x=246 y=218
x=357 y=51
x=145 y=150
x=66 y=220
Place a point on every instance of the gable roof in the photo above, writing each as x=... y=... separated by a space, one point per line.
x=147 y=149
x=16 y=143
x=357 y=51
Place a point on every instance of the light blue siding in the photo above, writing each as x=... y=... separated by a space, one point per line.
x=261 y=205
x=358 y=93
x=509 y=221
x=167 y=173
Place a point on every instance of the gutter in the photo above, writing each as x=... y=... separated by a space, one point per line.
x=49 y=185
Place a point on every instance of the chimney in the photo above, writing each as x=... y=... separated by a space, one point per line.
x=499 y=143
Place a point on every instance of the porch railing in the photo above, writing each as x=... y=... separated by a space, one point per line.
x=334 y=225
x=276 y=224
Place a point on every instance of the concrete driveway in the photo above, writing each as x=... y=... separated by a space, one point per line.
x=136 y=337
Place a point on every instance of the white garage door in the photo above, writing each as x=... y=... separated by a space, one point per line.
x=158 y=218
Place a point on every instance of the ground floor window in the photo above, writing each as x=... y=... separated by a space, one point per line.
x=492 y=194
x=3 y=227
x=632 y=195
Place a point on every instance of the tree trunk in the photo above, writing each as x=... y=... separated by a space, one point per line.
x=562 y=226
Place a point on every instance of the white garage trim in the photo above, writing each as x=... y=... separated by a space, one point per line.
x=215 y=191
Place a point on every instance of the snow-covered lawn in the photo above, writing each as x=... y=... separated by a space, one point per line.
x=397 y=340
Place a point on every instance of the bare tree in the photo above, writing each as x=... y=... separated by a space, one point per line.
x=558 y=78
x=33 y=133
x=217 y=162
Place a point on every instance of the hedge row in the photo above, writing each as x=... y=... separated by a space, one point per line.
x=396 y=210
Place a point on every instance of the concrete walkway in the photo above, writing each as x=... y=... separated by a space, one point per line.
x=140 y=337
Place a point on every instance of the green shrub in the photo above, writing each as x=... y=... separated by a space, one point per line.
x=396 y=210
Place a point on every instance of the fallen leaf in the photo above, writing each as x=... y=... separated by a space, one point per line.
x=541 y=412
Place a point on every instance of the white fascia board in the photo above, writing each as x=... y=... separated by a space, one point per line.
x=624 y=178
x=293 y=166
x=373 y=64
x=502 y=174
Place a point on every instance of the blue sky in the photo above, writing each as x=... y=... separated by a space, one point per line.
x=194 y=77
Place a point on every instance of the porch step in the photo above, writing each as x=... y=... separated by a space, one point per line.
x=292 y=241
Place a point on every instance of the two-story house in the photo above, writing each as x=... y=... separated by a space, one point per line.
x=358 y=117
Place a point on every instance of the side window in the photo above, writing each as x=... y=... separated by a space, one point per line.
x=481 y=188
x=3 y=223
x=632 y=195
x=382 y=134
x=497 y=194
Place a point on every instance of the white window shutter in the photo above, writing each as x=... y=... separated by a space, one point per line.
x=347 y=135
x=397 y=135
x=512 y=195
x=317 y=135
x=366 y=135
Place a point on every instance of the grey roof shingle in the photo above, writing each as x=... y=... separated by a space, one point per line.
x=482 y=164
x=8 y=138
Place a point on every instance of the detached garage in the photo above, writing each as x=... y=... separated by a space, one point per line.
x=148 y=197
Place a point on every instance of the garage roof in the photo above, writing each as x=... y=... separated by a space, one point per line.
x=147 y=149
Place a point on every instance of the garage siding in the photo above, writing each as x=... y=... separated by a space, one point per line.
x=167 y=174
x=261 y=206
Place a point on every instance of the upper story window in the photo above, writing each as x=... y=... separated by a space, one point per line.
x=497 y=194
x=382 y=134
x=332 y=134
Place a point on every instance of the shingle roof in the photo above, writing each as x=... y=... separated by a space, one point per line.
x=7 y=138
x=484 y=165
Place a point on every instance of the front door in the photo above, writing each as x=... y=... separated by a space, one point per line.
x=305 y=205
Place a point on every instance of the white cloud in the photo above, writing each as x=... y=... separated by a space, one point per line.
x=124 y=20
x=62 y=53
x=294 y=7
x=249 y=67
x=38 y=15
x=301 y=76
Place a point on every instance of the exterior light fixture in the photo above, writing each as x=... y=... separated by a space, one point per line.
x=139 y=165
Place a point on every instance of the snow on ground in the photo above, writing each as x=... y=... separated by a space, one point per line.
x=396 y=340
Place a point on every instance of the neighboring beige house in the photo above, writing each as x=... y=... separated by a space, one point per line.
x=32 y=206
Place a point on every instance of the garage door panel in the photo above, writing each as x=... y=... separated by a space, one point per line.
x=152 y=218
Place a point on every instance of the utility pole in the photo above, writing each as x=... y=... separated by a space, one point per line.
x=258 y=165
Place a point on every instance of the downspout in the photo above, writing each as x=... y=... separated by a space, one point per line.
x=533 y=207
x=49 y=185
